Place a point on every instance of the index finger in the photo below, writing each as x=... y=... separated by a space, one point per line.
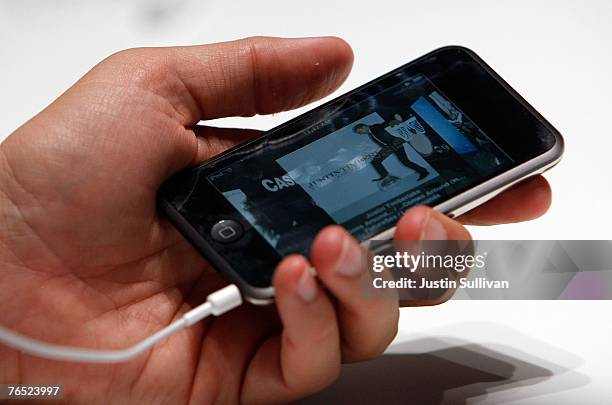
x=257 y=75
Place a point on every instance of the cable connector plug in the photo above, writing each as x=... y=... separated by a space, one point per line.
x=216 y=304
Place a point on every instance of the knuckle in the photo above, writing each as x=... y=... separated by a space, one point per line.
x=322 y=379
x=364 y=352
x=393 y=328
x=445 y=296
x=256 y=40
x=252 y=46
x=126 y=54
x=316 y=373
x=331 y=376
x=143 y=67
x=378 y=347
x=375 y=345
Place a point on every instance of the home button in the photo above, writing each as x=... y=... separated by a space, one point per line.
x=226 y=231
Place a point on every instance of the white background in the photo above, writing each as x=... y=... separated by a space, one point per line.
x=557 y=54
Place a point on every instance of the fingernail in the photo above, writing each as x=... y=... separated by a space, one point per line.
x=350 y=263
x=307 y=286
x=433 y=229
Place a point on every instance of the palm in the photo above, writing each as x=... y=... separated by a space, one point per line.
x=127 y=268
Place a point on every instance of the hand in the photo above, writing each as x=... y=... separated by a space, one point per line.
x=87 y=260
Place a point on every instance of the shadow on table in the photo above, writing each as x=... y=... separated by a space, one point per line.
x=449 y=375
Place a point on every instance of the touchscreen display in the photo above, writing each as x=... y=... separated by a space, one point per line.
x=361 y=166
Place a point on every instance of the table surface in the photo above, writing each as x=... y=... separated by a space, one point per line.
x=555 y=53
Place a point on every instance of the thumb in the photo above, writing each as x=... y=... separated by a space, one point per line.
x=256 y=75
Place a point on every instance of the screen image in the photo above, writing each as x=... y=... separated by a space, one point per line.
x=360 y=166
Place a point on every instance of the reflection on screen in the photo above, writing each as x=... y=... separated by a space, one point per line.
x=361 y=167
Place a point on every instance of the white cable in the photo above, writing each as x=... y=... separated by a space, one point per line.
x=216 y=304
